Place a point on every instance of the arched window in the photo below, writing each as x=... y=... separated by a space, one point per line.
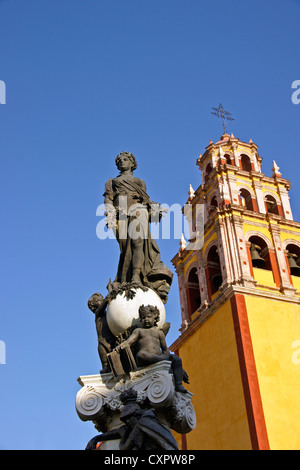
x=228 y=159
x=193 y=292
x=293 y=257
x=208 y=170
x=213 y=204
x=246 y=163
x=271 y=205
x=260 y=256
x=246 y=199
x=214 y=274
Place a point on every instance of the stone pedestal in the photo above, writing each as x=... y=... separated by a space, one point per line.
x=99 y=399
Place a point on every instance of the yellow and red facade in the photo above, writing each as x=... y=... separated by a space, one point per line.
x=241 y=322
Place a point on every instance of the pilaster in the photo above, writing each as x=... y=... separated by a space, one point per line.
x=202 y=279
x=182 y=295
x=285 y=202
x=246 y=276
x=231 y=177
x=259 y=196
x=285 y=286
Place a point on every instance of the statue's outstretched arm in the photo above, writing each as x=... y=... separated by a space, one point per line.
x=107 y=436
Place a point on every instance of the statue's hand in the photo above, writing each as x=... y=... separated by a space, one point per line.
x=157 y=211
x=123 y=345
x=110 y=216
x=92 y=444
x=111 y=222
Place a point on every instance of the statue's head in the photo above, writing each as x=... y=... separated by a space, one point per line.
x=95 y=301
x=129 y=156
x=149 y=315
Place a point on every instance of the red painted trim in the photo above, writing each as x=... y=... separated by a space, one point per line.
x=280 y=211
x=275 y=269
x=250 y=260
x=288 y=269
x=254 y=204
x=256 y=419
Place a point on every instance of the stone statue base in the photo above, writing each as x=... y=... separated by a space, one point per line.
x=99 y=399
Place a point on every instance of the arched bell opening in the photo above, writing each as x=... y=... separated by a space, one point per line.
x=246 y=199
x=271 y=205
x=229 y=160
x=193 y=292
x=208 y=170
x=293 y=259
x=246 y=163
x=213 y=204
x=214 y=273
x=259 y=253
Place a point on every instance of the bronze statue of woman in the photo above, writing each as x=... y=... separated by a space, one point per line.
x=128 y=214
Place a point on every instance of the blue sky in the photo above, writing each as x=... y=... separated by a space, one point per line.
x=84 y=81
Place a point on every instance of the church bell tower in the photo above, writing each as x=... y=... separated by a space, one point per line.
x=240 y=304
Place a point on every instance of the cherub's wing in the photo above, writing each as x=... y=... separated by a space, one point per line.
x=165 y=328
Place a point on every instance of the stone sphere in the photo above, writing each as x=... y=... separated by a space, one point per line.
x=123 y=313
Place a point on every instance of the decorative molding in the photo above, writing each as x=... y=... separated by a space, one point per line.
x=252 y=233
x=290 y=241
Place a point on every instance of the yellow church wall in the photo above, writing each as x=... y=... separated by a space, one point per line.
x=187 y=264
x=213 y=236
x=261 y=229
x=241 y=185
x=269 y=189
x=211 y=359
x=275 y=327
x=264 y=277
x=296 y=282
x=178 y=439
x=287 y=236
x=244 y=182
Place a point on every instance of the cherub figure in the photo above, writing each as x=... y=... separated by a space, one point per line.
x=151 y=347
x=106 y=340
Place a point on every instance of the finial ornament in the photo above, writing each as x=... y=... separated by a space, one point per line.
x=275 y=169
x=182 y=243
x=191 y=192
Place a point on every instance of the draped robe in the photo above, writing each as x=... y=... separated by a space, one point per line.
x=153 y=272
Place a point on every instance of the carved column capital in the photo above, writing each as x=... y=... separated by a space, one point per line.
x=99 y=399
